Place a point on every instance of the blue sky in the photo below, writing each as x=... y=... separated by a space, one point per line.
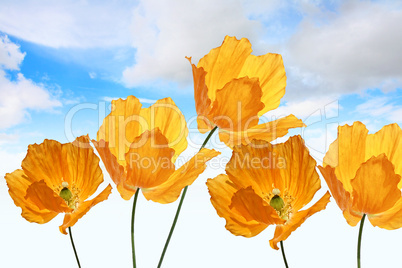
x=61 y=62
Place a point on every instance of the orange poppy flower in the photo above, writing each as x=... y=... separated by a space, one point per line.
x=363 y=172
x=57 y=178
x=267 y=184
x=233 y=88
x=140 y=145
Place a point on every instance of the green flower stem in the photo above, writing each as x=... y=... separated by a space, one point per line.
x=283 y=255
x=179 y=207
x=359 y=242
x=132 y=226
x=72 y=243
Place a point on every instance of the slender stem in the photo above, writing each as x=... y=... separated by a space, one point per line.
x=359 y=242
x=179 y=207
x=283 y=255
x=132 y=226
x=72 y=243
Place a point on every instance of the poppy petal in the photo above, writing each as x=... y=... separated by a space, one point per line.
x=221 y=190
x=170 y=190
x=115 y=170
x=224 y=63
x=237 y=105
x=149 y=160
x=283 y=231
x=375 y=187
x=18 y=183
x=389 y=141
x=203 y=103
x=267 y=131
x=271 y=73
x=351 y=141
x=390 y=219
x=44 y=162
x=165 y=115
x=251 y=206
x=71 y=218
x=81 y=166
x=45 y=198
x=298 y=174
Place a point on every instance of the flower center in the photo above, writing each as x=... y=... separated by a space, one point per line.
x=281 y=203
x=70 y=197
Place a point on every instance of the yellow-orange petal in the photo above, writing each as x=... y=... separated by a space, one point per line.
x=117 y=172
x=375 y=187
x=255 y=165
x=122 y=126
x=170 y=190
x=71 y=218
x=45 y=198
x=149 y=161
x=221 y=190
x=271 y=73
x=81 y=166
x=224 y=63
x=165 y=115
x=282 y=232
x=299 y=176
x=389 y=141
x=347 y=152
x=18 y=183
x=203 y=103
x=341 y=196
x=237 y=104
x=390 y=219
x=267 y=131
x=251 y=206
x=45 y=162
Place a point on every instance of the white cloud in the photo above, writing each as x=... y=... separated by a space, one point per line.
x=80 y=24
x=385 y=108
x=358 y=47
x=10 y=54
x=92 y=75
x=164 y=32
x=19 y=96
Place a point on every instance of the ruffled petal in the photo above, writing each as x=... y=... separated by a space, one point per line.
x=18 y=183
x=347 y=152
x=203 y=103
x=165 y=115
x=341 y=196
x=44 y=162
x=298 y=174
x=255 y=165
x=271 y=73
x=252 y=207
x=390 y=219
x=43 y=197
x=221 y=190
x=389 y=141
x=81 y=167
x=149 y=161
x=375 y=187
x=122 y=126
x=170 y=190
x=224 y=63
x=117 y=172
x=267 y=131
x=282 y=232
x=71 y=218
x=237 y=105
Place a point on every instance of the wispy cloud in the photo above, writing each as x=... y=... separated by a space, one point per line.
x=355 y=48
x=19 y=96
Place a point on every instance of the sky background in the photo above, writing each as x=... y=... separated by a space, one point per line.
x=62 y=62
